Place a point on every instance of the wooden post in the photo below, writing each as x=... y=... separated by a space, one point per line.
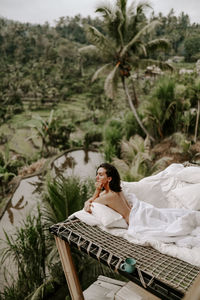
x=69 y=269
x=194 y=291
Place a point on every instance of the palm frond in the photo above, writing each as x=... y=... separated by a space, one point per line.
x=168 y=112
x=90 y=48
x=127 y=151
x=160 y=164
x=158 y=44
x=121 y=5
x=141 y=49
x=105 y=11
x=134 y=11
x=146 y=29
x=40 y=291
x=110 y=85
x=99 y=40
x=121 y=165
x=50 y=117
x=120 y=26
x=137 y=143
x=102 y=71
x=135 y=168
x=142 y=6
x=53 y=256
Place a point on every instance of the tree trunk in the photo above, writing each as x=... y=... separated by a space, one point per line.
x=134 y=110
x=136 y=102
x=197 y=122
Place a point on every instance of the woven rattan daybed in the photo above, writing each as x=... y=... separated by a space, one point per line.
x=162 y=275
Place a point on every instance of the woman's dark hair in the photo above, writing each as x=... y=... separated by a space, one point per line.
x=111 y=171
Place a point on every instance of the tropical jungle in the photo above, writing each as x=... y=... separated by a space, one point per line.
x=122 y=84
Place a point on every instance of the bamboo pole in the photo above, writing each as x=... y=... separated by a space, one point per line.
x=69 y=269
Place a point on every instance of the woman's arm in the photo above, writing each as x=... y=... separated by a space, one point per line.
x=88 y=203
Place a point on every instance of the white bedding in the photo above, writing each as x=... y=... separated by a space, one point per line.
x=153 y=219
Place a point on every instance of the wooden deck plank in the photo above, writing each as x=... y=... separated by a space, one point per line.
x=106 y=288
x=132 y=291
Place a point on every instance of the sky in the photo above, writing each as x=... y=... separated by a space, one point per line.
x=40 y=11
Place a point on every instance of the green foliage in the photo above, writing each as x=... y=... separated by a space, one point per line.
x=9 y=107
x=192 y=48
x=92 y=136
x=72 y=28
x=27 y=249
x=165 y=108
x=96 y=97
x=53 y=132
x=137 y=159
x=42 y=275
x=124 y=47
x=113 y=134
x=181 y=142
x=37 y=62
x=3 y=139
x=134 y=164
x=59 y=134
x=8 y=168
x=64 y=196
x=196 y=100
x=165 y=91
x=41 y=65
x=131 y=126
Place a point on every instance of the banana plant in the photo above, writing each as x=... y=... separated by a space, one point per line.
x=42 y=131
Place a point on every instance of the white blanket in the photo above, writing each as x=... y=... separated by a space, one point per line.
x=159 y=218
x=180 y=226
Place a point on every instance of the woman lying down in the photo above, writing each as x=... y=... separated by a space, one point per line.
x=163 y=224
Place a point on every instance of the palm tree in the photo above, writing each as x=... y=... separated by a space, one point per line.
x=137 y=159
x=123 y=46
x=196 y=90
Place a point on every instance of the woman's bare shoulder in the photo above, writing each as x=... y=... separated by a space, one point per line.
x=106 y=198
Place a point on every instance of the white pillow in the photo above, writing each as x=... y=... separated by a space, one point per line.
x=189 y=174
x=85 y=217
x=146 y=190
x=107 y=216
x=188 y=196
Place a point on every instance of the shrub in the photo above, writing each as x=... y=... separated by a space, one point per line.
x=92 y=136
x=113 y=134
x=27 y=250
x=131 y=126
x=64 y=196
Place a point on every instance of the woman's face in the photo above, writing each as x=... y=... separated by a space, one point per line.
x=102 y=176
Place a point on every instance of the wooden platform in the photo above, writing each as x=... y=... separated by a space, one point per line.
x=110 y=289
x=166 y=277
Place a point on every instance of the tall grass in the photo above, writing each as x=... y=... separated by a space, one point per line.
x=26 y=249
